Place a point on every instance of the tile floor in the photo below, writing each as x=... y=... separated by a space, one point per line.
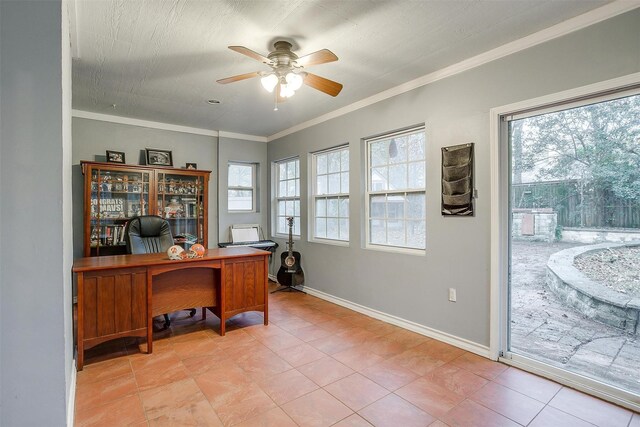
x=317 y=364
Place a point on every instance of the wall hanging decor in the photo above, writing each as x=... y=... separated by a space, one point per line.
x=457 y=180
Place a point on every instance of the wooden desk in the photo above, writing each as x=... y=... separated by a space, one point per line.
x=118 y=296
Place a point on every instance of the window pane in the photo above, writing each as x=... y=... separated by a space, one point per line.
x=377 y=231
x=296 y=226
x=332 y=228
x=289 y=208
x=344 y=229
x=398 y=177
x=321 y=227
x=240 y=200
x=332 y=207
x=282 y=174
x=398 y=150
x=282 y=225
x=282 y=208
x=415 y=206
x=416 y=146
x=297 y=194
x=291 y=170
x=395 y=207
x=334 y=162
x=344 y=182
x=344 y=159
x=321 y=164
x=283 y=189
x=321 y=184
x=416 y=175
x=240 y=175
x=321 y=207
x=395 y=233
x=416 y=235
x=377 y=208
x=296 y=208
x=334 y=183
x=344 y=207
x=379 y=153
x=379 y=179
x=291 y=188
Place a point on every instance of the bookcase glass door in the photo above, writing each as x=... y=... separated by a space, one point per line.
x=181 y=202
x=116 y=196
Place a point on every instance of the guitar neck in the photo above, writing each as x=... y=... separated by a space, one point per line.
x=291 y=237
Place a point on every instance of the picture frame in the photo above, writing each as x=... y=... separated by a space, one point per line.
x=191 y=166
x=115 y=156
x=157 y=157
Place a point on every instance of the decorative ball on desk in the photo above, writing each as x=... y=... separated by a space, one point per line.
x=198 y=250
x=175 y=252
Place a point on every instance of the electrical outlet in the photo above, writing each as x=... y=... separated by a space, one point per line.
x=452 y=295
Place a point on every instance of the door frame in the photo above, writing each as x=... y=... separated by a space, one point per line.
x=500 y=229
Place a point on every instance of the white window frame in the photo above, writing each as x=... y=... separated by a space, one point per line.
x=370 y=193
x=279 y=198
x=253 y=187
x=315 y=197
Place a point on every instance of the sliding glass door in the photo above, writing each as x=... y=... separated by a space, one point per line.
x=573 y=302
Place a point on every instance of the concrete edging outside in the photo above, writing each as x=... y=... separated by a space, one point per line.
x=588 y=297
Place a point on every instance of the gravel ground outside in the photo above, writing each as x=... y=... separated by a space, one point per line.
x=543 y=328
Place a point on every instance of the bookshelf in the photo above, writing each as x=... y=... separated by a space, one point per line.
x=114 y=193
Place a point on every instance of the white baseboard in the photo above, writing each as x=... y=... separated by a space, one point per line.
x=71 y=404
x=462 y=343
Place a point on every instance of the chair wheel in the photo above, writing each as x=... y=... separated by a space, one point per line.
x=192 y=312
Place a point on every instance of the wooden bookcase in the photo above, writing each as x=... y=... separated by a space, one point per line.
x=114 y=193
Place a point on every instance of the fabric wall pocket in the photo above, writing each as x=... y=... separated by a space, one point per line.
x=457 y=180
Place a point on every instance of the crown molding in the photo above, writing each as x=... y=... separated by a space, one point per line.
x=163 y=126
x=224 y=134
x=566 y=27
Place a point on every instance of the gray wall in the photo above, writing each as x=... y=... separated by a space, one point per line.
x=91 y=138
x=454 y=110
x=237 y=150
x=35 y=305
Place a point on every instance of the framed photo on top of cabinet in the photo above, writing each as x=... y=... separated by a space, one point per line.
x=191 y=166
x=115 y=157
x=159 y=157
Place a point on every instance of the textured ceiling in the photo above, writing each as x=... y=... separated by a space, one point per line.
x=159 y=59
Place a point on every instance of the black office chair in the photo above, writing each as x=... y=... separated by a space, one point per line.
x=148 y=234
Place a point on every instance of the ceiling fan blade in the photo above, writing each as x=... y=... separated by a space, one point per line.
x=251 y=54
x=323 y=85
x=238 y=77
x=320 y=57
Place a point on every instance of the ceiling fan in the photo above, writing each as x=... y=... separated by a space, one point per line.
x=288 y=70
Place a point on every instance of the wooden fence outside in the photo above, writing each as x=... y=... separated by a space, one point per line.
x=578 y=205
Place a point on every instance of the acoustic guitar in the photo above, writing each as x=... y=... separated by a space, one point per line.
x=290 y=273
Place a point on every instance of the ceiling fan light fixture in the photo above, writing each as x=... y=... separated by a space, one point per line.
x=294 y=80
x=286 y=91
x=269 y=82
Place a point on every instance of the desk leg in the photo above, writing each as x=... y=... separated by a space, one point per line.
x=80 y=320
x=149 y=317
